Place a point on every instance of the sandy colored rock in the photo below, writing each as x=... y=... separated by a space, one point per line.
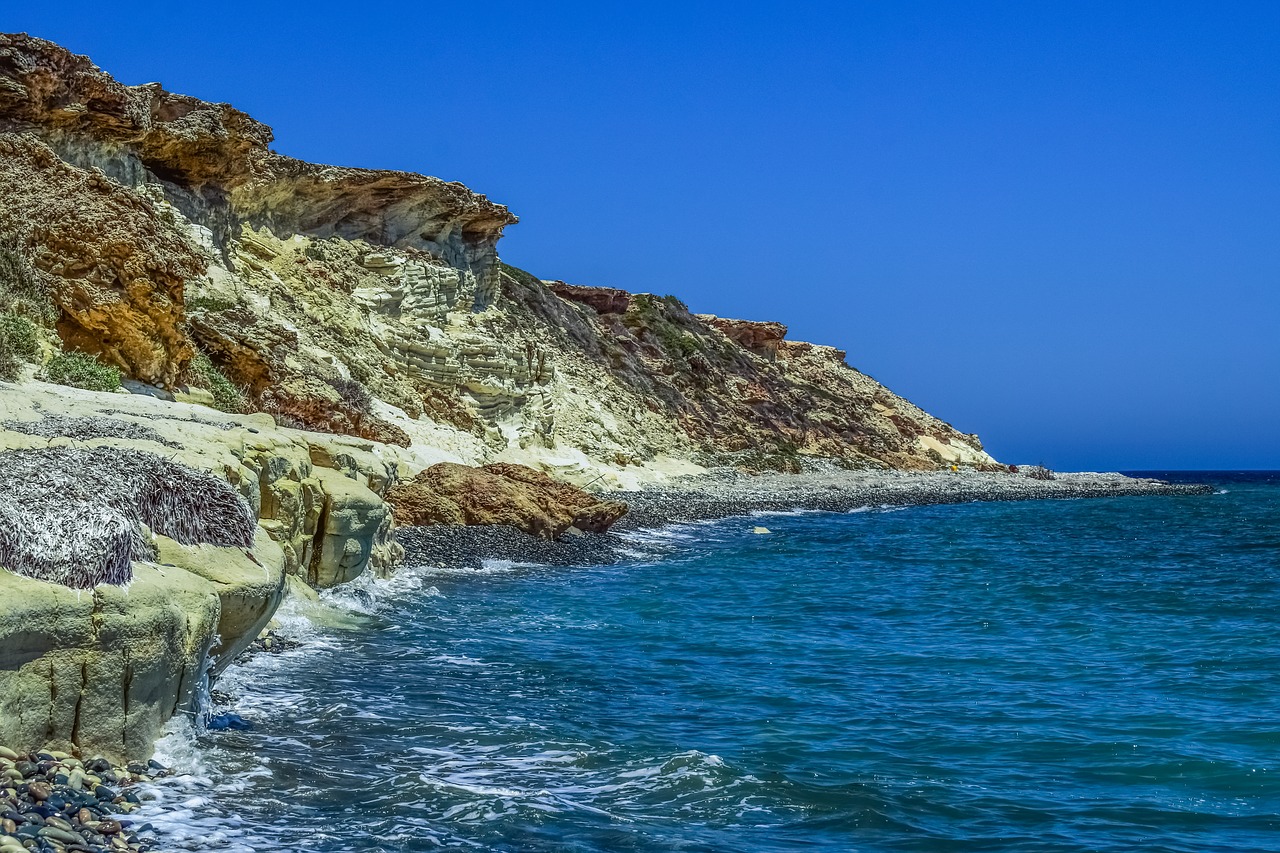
x=100 y=670
x=507 y=494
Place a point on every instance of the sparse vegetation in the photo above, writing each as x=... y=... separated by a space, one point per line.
x=21 y=291
x=227 y=396
x=81 y=371
x=525 y=278
x=353 y=394
x=75 y=516
x=25 y=305
x=19 y=342
x=211 y=302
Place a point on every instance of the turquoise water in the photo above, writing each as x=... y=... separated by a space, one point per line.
x=1041 y=676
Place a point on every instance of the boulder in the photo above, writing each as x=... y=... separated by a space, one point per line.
x=502 y=493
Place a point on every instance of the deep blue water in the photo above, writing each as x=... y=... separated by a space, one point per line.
x=1040 y=676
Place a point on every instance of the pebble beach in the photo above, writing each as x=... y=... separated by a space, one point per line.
x=727 y=492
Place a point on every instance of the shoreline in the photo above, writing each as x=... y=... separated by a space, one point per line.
x=729 y=493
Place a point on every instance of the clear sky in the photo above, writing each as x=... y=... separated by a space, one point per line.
x=1056 y=224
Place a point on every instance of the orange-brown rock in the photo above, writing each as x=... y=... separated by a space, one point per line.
x=448 y=493
x=115 y=266
x=93 y=171
x=602 y=300
x=761 y=336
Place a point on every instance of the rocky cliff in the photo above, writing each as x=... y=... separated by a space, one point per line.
x=306 y=336
x=372 y=303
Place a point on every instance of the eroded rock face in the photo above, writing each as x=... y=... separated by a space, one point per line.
x=371 y=303
x=513 y=495
x=105 y=179
x=115 y=266
x=99 y=670
x=762 y=337
x=602 y=300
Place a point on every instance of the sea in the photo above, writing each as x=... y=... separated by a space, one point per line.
x=1065 y=675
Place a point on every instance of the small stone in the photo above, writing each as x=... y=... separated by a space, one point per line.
x=39 y=791
x=8 y=826
x=60 y=823
x=26 y=768
x=76 y=780
x=108 y=827
x=85 y=816
x=5 y=752
x=55 y=833
x=102 y=792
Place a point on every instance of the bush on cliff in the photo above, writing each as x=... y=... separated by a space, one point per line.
x=21 y=291
x=74 y=516
x=227 y=396
x=19 y=342
x=81 y=371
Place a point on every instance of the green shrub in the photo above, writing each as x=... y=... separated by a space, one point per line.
x=211 y=303
x=227 y=397
x=525 y=278
x=81 y=371
x=21 y=292
x=19 y=342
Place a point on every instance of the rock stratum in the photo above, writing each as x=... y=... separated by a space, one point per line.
x=359 y=337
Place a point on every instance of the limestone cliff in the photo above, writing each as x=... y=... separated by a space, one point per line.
x=372 y=303
x=98 y=671
x=362 y=329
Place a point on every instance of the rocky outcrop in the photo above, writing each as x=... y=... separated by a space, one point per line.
x=114 y=264
x=757 y=336
x=99 y=670
x=602 y=300
x=372 y=303
x=506 y=494
x=215 y=162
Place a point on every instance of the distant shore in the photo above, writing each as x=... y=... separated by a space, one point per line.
x=723 y=494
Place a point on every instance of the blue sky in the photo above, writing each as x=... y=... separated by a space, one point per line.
x=1053 y=224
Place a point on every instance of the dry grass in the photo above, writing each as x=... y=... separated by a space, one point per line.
x=75 y=516
x=84 y=429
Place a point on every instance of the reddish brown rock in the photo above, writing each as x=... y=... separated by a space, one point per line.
x=448 y=493
x=759 y=336
x=602 y=300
